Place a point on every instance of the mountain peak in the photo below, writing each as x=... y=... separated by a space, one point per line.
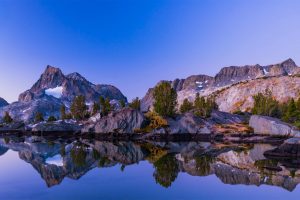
x=76 y=76
x=289 y=62
x=52 y=70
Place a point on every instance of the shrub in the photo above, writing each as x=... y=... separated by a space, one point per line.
x=165 y=100
x=51 y=119
x=156 y=121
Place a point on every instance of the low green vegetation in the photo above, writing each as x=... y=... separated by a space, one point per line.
x=265 y=104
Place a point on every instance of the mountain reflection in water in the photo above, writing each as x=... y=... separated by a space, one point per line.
x=243 y=164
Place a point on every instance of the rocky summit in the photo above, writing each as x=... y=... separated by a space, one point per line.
x=234 y=86
x=65 y=87
x=52 y=90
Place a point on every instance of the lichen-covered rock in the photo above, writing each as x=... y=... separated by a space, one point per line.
x=271 y=126
x=126 y=120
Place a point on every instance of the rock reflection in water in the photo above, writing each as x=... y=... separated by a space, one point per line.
x=232 y=164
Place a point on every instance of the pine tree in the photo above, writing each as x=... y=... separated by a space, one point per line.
x=135 y=104
x=186 y=106
x=7 y=118
x=79 y=108
x=96 y=108
x=63 y=114
x=104 y=106
x=122 y=103
x=39 y=117
x=165 y=100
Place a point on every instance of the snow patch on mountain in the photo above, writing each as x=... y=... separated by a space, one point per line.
x=55 y=92
x=55 y=160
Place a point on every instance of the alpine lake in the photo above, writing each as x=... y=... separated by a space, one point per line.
x=41 y=167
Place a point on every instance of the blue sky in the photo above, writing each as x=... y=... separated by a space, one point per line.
x=133 y=44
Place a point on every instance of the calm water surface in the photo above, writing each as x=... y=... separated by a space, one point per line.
x=39 y=168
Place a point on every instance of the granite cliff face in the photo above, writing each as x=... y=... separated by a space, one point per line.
x=236 y=85
x=52 y=90
x=239 y=96
x=3 y=102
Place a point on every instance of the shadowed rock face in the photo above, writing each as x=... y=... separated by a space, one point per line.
x=126 y=120
x=26 y=111
x=3 y=102
x=237 y=164
x=234 y=86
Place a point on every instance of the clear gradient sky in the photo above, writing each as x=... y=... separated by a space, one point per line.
x=133 y=44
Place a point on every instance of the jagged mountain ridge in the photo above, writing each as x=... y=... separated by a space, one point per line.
x=227 y=76
x=72 y=85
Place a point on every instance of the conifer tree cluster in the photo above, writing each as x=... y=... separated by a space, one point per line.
x=202 y=107
x=135 y=104
x=265 y=104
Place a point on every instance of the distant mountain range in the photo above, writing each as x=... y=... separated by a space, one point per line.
x=261 y=78
x=52 y=90
x=233 y=88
